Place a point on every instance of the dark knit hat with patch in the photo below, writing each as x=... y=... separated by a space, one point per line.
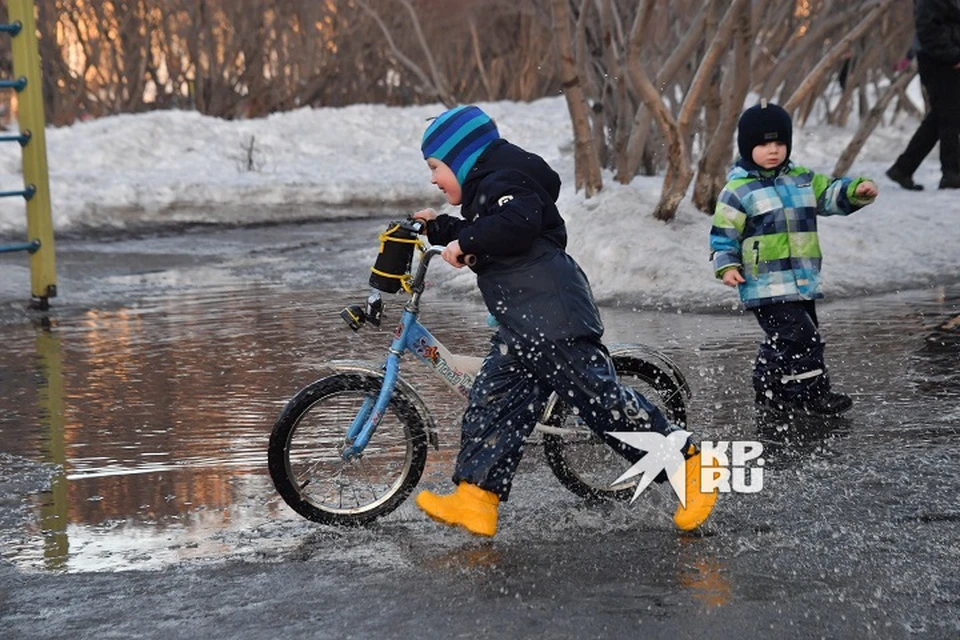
x=762 y=123
x=457 y=138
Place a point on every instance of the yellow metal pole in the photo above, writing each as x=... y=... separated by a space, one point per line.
x=26 y=64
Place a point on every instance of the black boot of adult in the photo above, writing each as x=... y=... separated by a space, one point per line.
x=903 y=179
x=950 y=181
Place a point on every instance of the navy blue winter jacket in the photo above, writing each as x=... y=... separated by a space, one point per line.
x=511 y=223
x=938 y=30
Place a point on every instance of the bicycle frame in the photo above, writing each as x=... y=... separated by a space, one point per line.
x=457 y=371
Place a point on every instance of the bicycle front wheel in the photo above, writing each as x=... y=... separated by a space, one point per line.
x=307 y=444
x=582 y=461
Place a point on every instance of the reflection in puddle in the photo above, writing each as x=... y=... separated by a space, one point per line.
x=156 y=417
x=156 y=421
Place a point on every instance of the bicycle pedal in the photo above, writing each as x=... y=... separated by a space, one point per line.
x=354 y=316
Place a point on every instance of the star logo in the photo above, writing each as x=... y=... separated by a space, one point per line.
x=664 y=453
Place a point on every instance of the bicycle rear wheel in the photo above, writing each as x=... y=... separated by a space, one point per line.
x=307 y=444
x=582 y=461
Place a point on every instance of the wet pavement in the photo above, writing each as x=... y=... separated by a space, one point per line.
x=133 y=426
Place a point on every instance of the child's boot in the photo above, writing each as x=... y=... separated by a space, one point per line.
x=470 y=507
x=829 y=404
x=699 y=504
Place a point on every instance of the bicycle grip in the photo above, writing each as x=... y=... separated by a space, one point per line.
x=468 y=259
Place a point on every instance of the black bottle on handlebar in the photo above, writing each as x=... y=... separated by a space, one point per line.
x=396 y=255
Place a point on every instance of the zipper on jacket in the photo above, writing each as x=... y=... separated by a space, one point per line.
x=756 y=259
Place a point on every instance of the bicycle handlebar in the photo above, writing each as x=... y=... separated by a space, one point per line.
x=420 y=226
x=418 y=279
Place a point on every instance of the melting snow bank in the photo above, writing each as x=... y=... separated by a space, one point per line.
x=171 y=169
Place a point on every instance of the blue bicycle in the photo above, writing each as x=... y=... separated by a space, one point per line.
x=351 y=447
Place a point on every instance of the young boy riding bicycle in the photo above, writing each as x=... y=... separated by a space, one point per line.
x=549 y=333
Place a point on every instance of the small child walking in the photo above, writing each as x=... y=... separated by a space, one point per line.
x=549 y=334
x=764 y=242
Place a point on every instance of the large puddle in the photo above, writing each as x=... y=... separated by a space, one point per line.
x=155 y=417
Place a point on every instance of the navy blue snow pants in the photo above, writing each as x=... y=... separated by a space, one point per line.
x=512 y=389
x=790 y=362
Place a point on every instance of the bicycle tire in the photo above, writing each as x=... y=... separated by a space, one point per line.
x=307 y=442
x=583 y=462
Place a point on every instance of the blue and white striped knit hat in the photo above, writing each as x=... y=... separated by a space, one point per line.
x=457 y=138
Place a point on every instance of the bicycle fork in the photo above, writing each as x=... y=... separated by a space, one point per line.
x=371 y=411
x=367 y=420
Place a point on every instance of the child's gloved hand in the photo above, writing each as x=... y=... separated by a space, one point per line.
x=867 y=189
x=732 y=277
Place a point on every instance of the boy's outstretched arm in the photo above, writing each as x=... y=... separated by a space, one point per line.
x=842 y=196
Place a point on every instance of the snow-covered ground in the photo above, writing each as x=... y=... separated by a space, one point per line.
x=176 y=167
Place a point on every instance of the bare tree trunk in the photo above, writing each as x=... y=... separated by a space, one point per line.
x=856 y=78
x=873 y=57
x=596 y=90
x=619 y=91
x=720 y=43
x=711 y=174
x=868 y=124
x=772 y=40
x=667 y=207
x=797 y=53
x=640 y=128
x=830 y=60
x=481 y=67
x=679 y=159
x=586 y=161
x=435 y=80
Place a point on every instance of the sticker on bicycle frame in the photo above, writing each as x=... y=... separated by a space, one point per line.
x=431 y=354
x=399 y=330
x=718 y=471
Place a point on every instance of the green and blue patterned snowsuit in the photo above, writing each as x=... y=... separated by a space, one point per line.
x=765 y=224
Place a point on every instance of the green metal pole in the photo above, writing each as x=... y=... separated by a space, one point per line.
x=26 y=64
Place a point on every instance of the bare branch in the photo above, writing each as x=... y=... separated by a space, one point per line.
x=827 y=62
x=868 y=124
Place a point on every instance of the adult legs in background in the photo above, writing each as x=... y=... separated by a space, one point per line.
x=943 y=89
x=941 y=124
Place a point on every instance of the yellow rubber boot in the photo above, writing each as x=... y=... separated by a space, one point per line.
x=470 y=507
x=699 y=504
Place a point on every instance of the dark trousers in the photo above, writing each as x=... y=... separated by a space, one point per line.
x=790 y=361
x=512 y=389
x=942 y=122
